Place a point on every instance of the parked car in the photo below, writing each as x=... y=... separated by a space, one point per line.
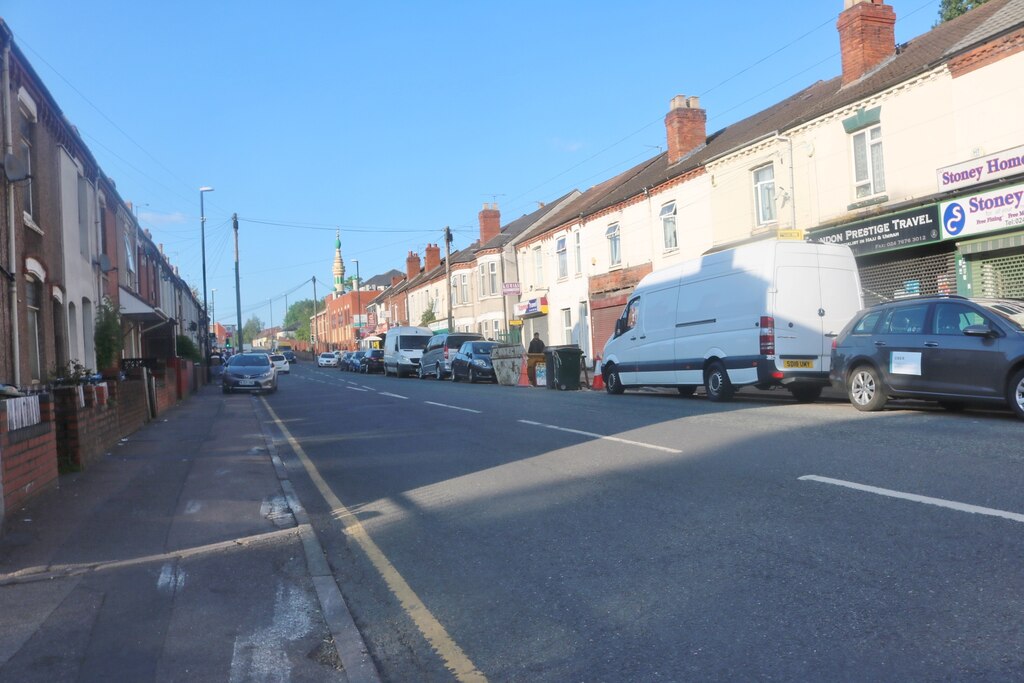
x=437 y=357
x=403 y=349
x=473 y=361
x=216 y=365
x=327 y=359
x=290 y=356
x=280 y=363
x=343 y=361
x=353 y=361
x=249 y=372
x=941 y=348
x=372 y=361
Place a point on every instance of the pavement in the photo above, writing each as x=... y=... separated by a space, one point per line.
x=180 y=555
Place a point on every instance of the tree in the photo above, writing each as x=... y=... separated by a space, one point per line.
x=951 y=9
x=107 y=334
x=188 y=349
x=427 y=317
x=297 y=317
x=251 y=329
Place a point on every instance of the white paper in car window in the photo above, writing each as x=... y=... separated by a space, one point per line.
x=905 y=363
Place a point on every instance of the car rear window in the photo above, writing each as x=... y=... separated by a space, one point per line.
x=867 y=323
x=413 y=342
x=483 y=348
x=277 y=357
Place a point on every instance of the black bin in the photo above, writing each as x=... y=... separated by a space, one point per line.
x=563 y=366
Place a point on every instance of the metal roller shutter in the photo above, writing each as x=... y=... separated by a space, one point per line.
x=915 y=275
x=603 y=323
x=1000 y=278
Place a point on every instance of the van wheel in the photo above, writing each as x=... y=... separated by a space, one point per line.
x=438 y=375
x=612 y=381
x=717 y=384
x=865 y=389
x=1015 y=394
x=805 y=393
x=686 y=390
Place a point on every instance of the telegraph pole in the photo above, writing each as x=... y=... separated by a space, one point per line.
x=448 y=273
x=238 y=289
x=312 y=323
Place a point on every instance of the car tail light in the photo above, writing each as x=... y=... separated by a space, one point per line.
x=767 y=337
x=835 y=343
x=446 y=353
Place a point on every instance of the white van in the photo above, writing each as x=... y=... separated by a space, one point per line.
x=403 y=348
x=761 y=314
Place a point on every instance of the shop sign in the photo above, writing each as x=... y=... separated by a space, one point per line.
x=885 y=233
x=996 y=209
x=533 y=308
x=511 y=289
x=983 y=169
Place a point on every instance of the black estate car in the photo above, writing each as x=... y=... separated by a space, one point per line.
x=939 y=348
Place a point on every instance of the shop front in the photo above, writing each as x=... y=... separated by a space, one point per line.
x=971 y=243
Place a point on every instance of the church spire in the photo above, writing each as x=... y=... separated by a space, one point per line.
x=339 y=265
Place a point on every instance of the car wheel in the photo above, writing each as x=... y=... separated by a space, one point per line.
x=612 y=381
x=717 y=384
x=419 y=372
x=865 y=389
x=805 y=393
x=454 y=377
x=1015 y=394
x=686 y=390
x=472 y=376
x=438 y=375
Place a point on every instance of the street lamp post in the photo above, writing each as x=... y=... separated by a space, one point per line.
x=206 y=311
x=359 y=305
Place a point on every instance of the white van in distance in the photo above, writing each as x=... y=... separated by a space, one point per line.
x=762 y=314
x=403 y=348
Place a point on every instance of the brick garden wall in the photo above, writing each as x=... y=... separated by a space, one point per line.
x=91 y=422
x=28 y=457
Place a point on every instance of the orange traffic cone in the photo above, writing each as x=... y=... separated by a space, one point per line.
x=524 y=378
x=597 y=384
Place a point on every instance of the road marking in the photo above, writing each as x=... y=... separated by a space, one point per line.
x=952 y=505
x=356 y=389
x=445 y=405
x=603 y=437
x=384 y=393
x=454 y=658
x=367 y=388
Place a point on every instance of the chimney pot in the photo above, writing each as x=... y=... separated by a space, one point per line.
x=490 y=222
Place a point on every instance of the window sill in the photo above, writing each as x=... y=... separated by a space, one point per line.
x=669 y=251
x=616 y=266
x=29 y=223
x=872 y=201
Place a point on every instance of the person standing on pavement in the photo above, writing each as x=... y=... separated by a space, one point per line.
x=537 y=345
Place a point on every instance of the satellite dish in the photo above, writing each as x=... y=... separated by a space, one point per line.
x=104 y=263
x=14 y=168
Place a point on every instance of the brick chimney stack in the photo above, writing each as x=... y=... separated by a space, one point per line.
x=395 y=279
x=412 y=265
x=490 y=223
x=686 y=124
x=433 y=260
x=867 y=37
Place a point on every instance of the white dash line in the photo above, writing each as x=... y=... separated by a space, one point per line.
x=384 y=393
x=952 y=505
x=603 y=437
x=356 y=389
x=445 y=405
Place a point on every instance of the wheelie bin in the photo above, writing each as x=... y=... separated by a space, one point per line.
x=563 y=366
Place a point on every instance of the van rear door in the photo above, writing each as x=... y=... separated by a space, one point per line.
x=817 y=293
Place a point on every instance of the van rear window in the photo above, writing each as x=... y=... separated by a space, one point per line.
x=413 y=341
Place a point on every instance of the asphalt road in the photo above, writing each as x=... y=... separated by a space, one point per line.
x=514 y=534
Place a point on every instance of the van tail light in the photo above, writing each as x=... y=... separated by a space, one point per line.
x=835 y=343
x=446 y=353
x=767 y=337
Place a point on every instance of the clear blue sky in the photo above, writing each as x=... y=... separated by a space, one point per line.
x=392 y=120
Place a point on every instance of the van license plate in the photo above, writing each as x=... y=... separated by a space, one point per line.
x=808 y=364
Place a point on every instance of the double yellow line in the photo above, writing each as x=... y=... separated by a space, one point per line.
x=454 y=658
